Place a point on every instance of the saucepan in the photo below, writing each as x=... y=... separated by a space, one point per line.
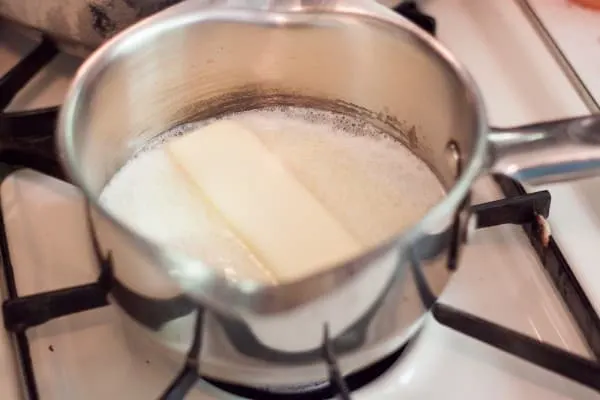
x=198 y=60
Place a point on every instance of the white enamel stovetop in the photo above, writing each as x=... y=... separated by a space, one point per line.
x=576 y=211
x=86 y=355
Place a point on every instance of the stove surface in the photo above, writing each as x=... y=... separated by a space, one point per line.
x=576 y=207
x=576 y=30
x=499 y=278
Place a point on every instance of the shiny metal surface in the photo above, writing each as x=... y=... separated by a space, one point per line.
x=548 y=152
x=201 y=59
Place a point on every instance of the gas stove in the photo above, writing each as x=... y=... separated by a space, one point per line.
x=515 y=322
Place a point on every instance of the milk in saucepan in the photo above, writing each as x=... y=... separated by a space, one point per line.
x=369 y=182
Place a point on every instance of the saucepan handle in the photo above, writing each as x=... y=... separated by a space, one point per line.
x=547 y=152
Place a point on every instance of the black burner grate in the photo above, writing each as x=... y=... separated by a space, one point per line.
x=26 y=140
x=411 y=11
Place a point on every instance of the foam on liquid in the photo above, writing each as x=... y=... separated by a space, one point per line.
x=371 y=183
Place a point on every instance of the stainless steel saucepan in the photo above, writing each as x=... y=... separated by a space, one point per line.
x=198 y=60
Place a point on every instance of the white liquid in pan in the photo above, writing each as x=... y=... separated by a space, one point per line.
x=370 y=183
